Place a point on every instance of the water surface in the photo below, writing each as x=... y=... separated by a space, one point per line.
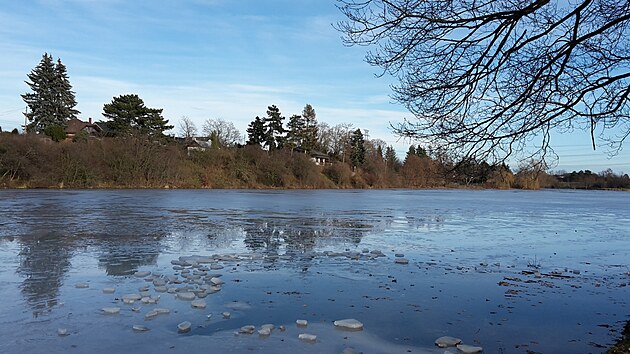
x=510 y=271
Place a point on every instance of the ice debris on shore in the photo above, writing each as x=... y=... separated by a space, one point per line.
x=447 y=341
x=307 y=337
x=186 y=296
x=184 y=327
x=469 y=349
x=140 y=328
x=249 y=329
x=195 y=280
x=111 y=310
x=349 y=323
x=266 y=329
x=198 y=304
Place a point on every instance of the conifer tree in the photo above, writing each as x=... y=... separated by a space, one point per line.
x=421 y=152
x=274 y=138
x=357 y=144
x=309 y=135
x=391 y=159
x=52 y=101
x=128 y=114
x=256 y=132
x=295 y=127
x=64 y=91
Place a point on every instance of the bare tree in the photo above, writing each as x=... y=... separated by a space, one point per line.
x=187 y=128
x=336 y=139
x=493 y=78
x=225 y=131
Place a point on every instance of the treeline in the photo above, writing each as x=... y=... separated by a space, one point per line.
x=585 y=179
x=130 y=150
x=34 y=161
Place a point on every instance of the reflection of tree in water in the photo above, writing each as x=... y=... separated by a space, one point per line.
x=302 y=235
x=123 y=255
x=44 y=260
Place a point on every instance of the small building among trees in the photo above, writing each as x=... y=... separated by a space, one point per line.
x=320 y=158
x=76 y=126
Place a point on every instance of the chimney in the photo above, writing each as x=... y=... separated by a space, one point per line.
x=90 y=120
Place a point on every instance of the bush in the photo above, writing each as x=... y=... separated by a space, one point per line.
x=55 y=132
x=340 y=174
x=304 y=170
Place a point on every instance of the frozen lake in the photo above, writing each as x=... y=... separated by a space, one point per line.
x=510 y=271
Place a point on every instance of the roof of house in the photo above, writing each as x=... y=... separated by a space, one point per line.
x=75 y=125
x=319 y=154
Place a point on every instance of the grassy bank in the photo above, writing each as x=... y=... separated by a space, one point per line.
x=32 y=161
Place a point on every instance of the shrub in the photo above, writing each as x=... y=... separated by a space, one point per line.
x=339 y=173
x=55 y=132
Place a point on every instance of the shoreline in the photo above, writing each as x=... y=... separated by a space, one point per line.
x=169 y=187
x=623 y=345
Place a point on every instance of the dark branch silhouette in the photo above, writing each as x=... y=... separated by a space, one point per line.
x=489 y=78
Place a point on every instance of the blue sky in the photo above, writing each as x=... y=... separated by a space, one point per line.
x=214 y=59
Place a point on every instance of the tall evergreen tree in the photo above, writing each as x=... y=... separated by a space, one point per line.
x=52 y=101
x=310 y=133
x=410 y=152
x=391 y=159
x=256 y=132
x=65 y=95
x=274 y=138
x=128 y=114
x=295 y=129
x=357 y=144
x=421 y=152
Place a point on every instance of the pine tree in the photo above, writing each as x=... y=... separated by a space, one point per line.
x=421 y=152
x=391 y=159
x=296 y=127
x=274 y=138
x=153 y=123
x=357 y=144
x=52 y=101
x=411 y=152
x=256 y=132
x=128 y=114
x=309 y=135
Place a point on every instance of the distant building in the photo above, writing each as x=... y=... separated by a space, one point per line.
x=75 y=126
x=195 y=143
x=320 y=158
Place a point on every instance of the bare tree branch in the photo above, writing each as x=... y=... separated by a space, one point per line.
x=490 y=78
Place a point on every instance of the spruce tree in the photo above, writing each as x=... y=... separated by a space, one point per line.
x=391 y=159
x=295 y=132
x=421 y=152
x=410 y=152
x=52 y=101
x=256 y=132
x=357 y=144
x=65 y=94
x=274 y=138
x=309 y=135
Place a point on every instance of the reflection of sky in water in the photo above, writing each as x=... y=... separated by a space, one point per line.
x=455 y=240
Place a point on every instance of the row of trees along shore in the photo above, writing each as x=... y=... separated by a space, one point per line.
x=132 y=151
